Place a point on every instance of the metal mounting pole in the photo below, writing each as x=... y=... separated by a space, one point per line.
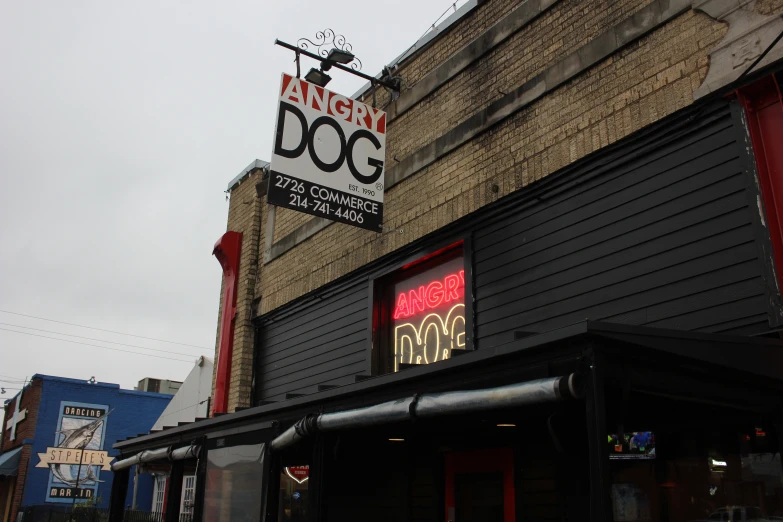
x=78 y=476
x=332 y=63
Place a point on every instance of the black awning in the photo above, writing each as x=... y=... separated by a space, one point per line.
x=748 y=356
x=9 y=462
x=754 y=355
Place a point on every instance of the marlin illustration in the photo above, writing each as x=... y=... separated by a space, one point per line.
x=78 y=438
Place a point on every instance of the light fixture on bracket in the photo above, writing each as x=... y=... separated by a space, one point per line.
x=318 y=77
x=334 y=56
x=340 y=56
x=332 y=50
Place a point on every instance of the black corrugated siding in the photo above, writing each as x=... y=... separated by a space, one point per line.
x=324 y=343
x=665 y=240
x=657 y=232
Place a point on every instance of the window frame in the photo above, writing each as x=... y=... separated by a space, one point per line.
x=242 y=436
x=379 y=322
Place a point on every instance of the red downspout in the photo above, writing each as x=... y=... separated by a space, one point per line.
x=227 y=253
x=763 y=105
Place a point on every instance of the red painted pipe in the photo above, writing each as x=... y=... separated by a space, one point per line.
x=763 y=103
x=227 y=251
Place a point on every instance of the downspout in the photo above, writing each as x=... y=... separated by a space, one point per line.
x=227 y=251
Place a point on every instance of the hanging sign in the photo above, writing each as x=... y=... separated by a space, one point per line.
x=328 y=155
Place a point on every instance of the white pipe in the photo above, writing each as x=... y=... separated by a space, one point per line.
x=539 y=391
x=166 y=453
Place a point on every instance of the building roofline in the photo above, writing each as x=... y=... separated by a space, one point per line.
x=109 y=385
x=425 y=41
x=254 y=165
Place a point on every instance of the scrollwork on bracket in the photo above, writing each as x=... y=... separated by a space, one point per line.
x=327 y=40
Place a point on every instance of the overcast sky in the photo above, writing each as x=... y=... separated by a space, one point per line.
x=121 y=123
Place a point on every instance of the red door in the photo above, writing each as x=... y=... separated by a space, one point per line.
x=480 y=486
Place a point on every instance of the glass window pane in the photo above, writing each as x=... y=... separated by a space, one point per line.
x=428 y=315
x=234 y=484
x=677 y=462
x=293 y=499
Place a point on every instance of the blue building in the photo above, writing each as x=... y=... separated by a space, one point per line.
x=57 y=438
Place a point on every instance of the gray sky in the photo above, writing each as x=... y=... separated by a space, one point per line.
x=121 y=124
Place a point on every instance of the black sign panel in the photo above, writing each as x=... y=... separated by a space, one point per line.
x=297 y=194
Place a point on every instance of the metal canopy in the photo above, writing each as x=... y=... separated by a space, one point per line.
x=9 y=462
x=753 y=355
x=748 y=355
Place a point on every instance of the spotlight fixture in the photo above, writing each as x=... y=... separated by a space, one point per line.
x=506 y=425
x=397 y=440
x=318 y=77
x=340 y=56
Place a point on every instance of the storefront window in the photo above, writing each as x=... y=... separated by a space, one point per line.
x=719 y=464
x=234 y=487
x=426 y=312
x=293 y=499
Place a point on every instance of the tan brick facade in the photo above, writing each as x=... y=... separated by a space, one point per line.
x=243 y=216
x=646 y=80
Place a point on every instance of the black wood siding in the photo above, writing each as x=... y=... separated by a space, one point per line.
x=323 y=343
x=660 y=230
x=666 y=239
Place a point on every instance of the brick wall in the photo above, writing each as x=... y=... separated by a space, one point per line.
x=25 y=430
x=244 y=215
x=641 y=83
x=31 y=399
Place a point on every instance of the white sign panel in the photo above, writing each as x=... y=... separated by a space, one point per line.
x=328 y=155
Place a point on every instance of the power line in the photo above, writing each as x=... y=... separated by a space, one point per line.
x=12 y=382
x=95 y=345
x=93 y=339
x=102 y=330
x=185 y=408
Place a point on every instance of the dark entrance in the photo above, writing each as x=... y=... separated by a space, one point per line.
x=480 y=486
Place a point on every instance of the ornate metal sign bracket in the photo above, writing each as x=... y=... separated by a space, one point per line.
x=327 y=40
x=332 y=50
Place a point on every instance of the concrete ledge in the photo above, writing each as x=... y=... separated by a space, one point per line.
x=302 y=233
x=459 y=61
x=601 y=47
x=637 y=25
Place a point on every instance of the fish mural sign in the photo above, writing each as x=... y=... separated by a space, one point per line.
x=77 y=457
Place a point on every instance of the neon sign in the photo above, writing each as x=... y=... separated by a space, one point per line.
x=428 y=314
x=432 y=339
x=431 y=296
x=299 y=473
